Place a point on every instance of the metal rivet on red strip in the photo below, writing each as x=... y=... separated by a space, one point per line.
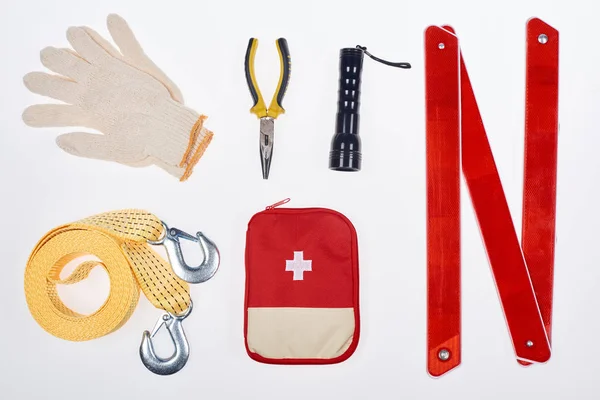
x=444 y=354
x=529 y=343
x=441 y=46
x=543 y=38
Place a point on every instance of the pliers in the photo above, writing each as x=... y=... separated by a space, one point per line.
x=268 y=115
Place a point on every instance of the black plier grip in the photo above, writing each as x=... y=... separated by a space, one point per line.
x=275 y=108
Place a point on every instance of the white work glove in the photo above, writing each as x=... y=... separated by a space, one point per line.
x=131 y=52
x=122 y=95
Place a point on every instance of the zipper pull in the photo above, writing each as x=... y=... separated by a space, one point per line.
x=279 y=203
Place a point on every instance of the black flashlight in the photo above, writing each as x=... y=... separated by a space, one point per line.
x=345 y=152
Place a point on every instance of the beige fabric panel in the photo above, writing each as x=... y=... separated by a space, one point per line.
x=300 y=332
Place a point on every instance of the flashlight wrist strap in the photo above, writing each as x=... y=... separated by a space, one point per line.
x=404 y=65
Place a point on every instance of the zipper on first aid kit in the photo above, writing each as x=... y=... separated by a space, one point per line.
x=287 y=200
x=306 y=209
x=279 y=203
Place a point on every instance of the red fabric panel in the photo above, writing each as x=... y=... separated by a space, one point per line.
x=325 y=237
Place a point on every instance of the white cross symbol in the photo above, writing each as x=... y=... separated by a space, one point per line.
x=298 y=265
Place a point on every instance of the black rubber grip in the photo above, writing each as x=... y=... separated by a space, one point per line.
x=287 y=69
x=247 y=65
x=351 y=61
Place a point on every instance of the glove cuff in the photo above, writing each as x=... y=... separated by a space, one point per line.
x=202 y=138
x=188 y=139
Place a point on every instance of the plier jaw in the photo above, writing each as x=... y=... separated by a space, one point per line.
x=266 y=144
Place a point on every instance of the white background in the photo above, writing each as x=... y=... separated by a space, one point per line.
x=201 y=46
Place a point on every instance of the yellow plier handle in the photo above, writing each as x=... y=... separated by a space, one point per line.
x=275 y=108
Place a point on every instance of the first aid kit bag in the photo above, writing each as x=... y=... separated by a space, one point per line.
x=302 y=286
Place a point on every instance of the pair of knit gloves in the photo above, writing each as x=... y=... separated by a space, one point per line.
x=121 y=93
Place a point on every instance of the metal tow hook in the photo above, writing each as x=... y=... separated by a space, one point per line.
x=174 y=363
x=202 y=272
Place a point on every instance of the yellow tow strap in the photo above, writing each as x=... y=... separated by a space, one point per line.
x=119 y=240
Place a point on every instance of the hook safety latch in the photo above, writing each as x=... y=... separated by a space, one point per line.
x=174 y=363
x=201 y=273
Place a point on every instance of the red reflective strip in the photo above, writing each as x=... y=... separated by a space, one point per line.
x=443 y=199
x=528 y=322
x=541 y=144
x=502 y=245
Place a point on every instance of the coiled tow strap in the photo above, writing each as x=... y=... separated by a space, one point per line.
x=120 y=241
